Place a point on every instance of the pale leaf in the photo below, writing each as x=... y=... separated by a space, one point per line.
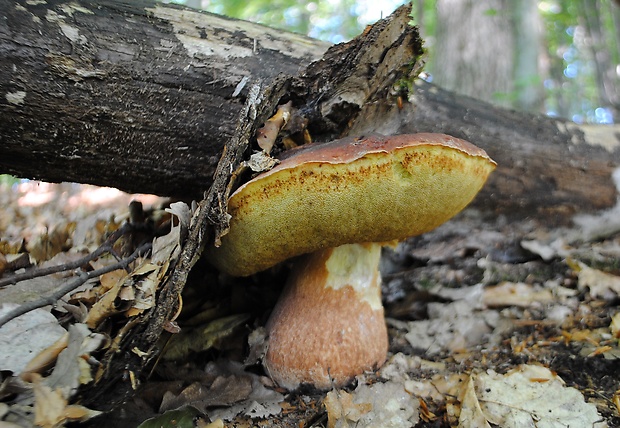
x=26 y=336
x=532 y=396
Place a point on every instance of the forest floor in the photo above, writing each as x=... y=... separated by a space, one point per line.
x=491 y=321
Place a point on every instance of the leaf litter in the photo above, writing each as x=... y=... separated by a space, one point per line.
x=528 y=395
x=485 y=318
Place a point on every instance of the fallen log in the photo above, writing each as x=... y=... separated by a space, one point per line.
x=144 y=97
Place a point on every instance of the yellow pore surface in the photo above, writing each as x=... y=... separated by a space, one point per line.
x=377 y=197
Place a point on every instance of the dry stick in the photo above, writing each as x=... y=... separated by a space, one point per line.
x=211 y=211
x=72 y=285
x=103 y=248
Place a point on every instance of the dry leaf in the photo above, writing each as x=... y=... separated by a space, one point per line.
x=266 y=136
x=515 y=294
x=258 y=344
x=203 y=338
x=471 y=414
x=131 y=294
x=72 y=368
x=52 y=409
x=453 y=327
x=547 y=251
x=341 y=409
x=261 y=161
x=615 y=325
x=105 y=306
x=438 y=388
x=528 y=395
x=260 y=403
x=224 y=391
x=106 y=282
x=381 y=405
x=601 y=284
x=168 y=247
x=46 y=358
x=144 y=289
x=26 y=336
x=4 y=264
x=47 y=245
x=182 y=211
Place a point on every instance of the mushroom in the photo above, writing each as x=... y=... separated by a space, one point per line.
x=337 y=203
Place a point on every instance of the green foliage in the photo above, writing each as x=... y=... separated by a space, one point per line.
x=8 y=180
x=571 y=88
x=333 y=21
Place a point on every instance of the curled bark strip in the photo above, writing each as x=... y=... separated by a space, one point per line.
x=267 y=135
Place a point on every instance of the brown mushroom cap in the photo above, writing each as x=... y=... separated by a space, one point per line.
x=371 y=189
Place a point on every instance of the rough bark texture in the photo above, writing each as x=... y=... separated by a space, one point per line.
x=474 y=49
x=130 y=94
x=144 y=97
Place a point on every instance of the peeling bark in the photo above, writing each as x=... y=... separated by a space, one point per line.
x=138 y=95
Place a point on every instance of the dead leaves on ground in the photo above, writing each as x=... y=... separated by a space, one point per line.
x=377 y=405
x=53 y=361
x=52 y=409
x=461 y=330
x=528 y=395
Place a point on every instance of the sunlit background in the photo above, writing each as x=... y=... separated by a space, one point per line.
x=574 y=43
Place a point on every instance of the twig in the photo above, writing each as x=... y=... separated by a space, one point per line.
x=103 y=248
x=73 y=284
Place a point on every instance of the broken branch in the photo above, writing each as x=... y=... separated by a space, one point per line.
x=73 y=284
x=103 y=248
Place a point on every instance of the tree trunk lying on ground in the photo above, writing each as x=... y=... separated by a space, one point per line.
x=144 y=97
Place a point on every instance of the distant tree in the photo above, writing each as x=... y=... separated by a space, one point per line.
x=601 y=34
x=489 y=49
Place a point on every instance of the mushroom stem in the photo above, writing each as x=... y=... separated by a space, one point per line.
x=328 y=325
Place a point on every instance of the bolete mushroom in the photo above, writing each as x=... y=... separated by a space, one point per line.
x=336 y=203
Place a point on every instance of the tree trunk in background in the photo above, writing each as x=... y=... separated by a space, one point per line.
x=527 y=27
x=615 y=19
x=475 y=49
x=604 y=68
x=418 y=18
